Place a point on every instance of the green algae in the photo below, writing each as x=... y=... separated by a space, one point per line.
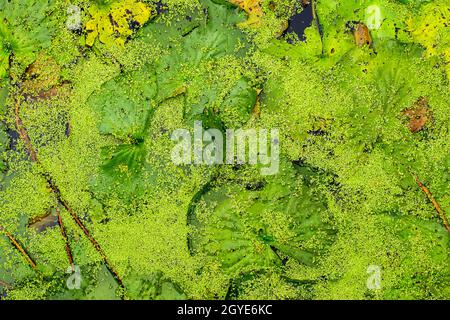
x=106 y=145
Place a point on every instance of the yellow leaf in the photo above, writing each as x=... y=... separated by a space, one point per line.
x=252 y=8
x=431 y=30
x=114 y=24
x=91 y=29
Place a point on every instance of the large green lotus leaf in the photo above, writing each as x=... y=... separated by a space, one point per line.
x=124 y=106
x=237 y=106
x=392 y=77
x=124 y=172
x=153 y=287
x=124 y=103
x=204 y=36
x=385 y=19
x=391 y=72
x=96 y=283
x=25 y=28
x=218 y=37
x=234 y=109
x=166 y=33
x=394 y=71
x=238 y=227
x=410 y=229
x=214 y=37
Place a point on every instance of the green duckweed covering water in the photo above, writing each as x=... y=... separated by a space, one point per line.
x=362 y=105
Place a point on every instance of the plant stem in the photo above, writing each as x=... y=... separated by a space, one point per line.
x=436 y=205
x=94 y=242
x=317 y=22
x=24 y=136
x=16 y=244
x=23 y=133
x=5 y=284
x=66 y=239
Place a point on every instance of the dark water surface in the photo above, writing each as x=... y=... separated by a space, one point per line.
x=300 y=21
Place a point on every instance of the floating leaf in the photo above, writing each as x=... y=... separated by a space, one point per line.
x=153 y=287
x=124 y=103
x=115 y=23
x=240 y=227
x=430 y=28
x=237 y=106
x=25 y=28
x=124 y=106
x=216 y=37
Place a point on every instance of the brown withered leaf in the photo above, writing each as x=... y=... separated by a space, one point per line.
x=60 y=90
x=42 y=74
x=43 y=222
x=41 y=80
x=419 y=114
x=362 y=35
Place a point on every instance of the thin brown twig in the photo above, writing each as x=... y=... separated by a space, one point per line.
x=94 y=242
x=24 y=136
x=66 y=239
x=23 y=133
x=80 y=224
x=5 y=284
x=436 y=205
x=16 y=244
x=33 y=154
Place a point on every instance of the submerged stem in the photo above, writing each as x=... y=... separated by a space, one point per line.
x=16 y=244
x=23 y=132
x=94 y=242
x=436 y=205
x=5 y=284
x=26 y=139
x=66 y=239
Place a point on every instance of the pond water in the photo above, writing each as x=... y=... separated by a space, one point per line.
x=300 y=21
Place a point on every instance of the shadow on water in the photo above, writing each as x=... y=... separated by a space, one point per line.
x=299 y=22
